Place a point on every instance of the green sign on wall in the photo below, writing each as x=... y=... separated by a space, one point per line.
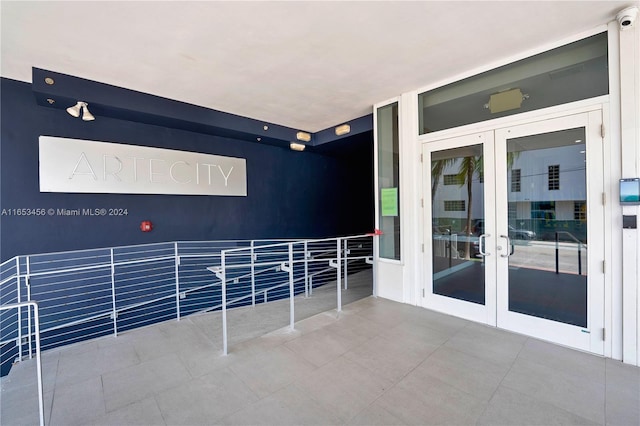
x=389 y=201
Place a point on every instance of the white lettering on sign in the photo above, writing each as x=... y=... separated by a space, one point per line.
x=74 y=165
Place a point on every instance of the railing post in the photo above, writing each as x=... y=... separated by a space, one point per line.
x=346 y=259
x=374 y=267
x=114 y=314
x=28 y=281
x=224 y=302
x=339 y=270
x=306 y=270
x=18 y=279
x=253 y=275
x=557 y=254
x=579 y=258
x=36 y=318
x=291 y=290
x=177 y=269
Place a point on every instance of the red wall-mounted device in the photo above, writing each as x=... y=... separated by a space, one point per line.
x=146 y=226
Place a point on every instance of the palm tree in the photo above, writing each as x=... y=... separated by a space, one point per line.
x=437 y=170
x=469 y=167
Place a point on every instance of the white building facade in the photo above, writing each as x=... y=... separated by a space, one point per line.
x=549 y=168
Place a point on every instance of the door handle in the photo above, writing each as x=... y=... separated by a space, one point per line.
x=511 y=248
x=481 y=243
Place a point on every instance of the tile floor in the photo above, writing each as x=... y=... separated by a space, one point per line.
x=377 y=362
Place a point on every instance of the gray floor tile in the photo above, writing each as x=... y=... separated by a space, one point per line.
x=358 y=366
x=288 y=406
x=343 y=387
x=140 y=413
x=387 y=358
x=78 y=404
x=386 y=313
x=374 y=415
x=414 y=337
x=565 y=359
x=437 y=321
x=470 y=374
x=128 y=385
x=424 y=400
x=510 y=407
x=316 y=322
x=76 y=366
x=321 y=346
x=496 y=346
x=268 y=371
x=204 y=361
x=581 y=392
x=623 y=394
x=20 y=405
x=204 y=400
x=349 y=322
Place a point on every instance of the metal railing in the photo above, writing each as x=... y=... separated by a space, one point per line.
x=292 y=268
x=19 y=307
x=580 y=245
x=91 y=293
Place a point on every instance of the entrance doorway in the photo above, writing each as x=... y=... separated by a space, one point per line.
x=516 y=229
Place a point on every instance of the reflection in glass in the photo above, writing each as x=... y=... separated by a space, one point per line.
x=548 y=226
x=389 y=180
x=457 y=200
x=566 y=74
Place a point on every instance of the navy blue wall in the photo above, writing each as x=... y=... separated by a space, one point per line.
x=290 y=194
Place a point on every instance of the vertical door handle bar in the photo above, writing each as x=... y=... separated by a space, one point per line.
x=509 y=245
x=481 y=242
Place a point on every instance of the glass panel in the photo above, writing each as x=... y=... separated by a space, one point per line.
x=567 y=74
x=389 y=180
x=548 y=226
x=457 y=200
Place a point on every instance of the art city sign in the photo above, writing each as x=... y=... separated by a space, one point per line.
x=74 y=165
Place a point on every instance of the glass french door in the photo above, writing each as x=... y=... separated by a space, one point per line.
x=461 y=269
x=550 y=228
x=516 y=235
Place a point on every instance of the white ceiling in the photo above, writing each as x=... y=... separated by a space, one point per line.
x=306 y=65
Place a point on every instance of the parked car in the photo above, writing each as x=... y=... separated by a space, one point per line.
x=514 y=233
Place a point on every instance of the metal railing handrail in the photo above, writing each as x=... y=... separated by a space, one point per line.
x=287 y=266
x=36 y=319
x=104 y=260
x=580 y=245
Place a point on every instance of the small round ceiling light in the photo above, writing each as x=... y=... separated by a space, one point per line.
x=49 y=81
x=265 y=127
x=51 y=101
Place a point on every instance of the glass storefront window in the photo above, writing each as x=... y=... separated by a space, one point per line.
x=389 y=180
x=566 y=74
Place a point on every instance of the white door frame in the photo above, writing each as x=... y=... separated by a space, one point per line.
x=592 y=339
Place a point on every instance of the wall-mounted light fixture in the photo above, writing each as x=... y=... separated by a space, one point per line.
x=506 y=100
x=297 y=146
x=343 y=130
x=81 y=107
x=303 y=136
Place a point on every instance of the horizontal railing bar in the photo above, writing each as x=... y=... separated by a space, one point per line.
x=6 y=280
x=299 y=242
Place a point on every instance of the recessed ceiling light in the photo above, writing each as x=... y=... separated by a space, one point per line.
x=258 y=139
x=51 y=101
x=49 y=80
x=265 y=127
x=297 y=146
x=303 y=136
x=343 y=130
